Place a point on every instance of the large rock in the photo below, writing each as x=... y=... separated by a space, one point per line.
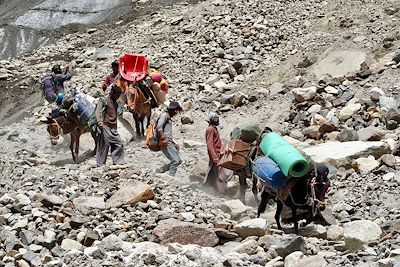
x=235 y=208
x=293 y=258
x=252 y=227
x=359 y=233
x=370 y=134
x=82 y=203
x=348 y=111
x=172 y=230
x=313 y=230
x=311 y=261
x=248 y=247
x=339 y=63
x=130 y=195
x=343 y=153
x=304 y=94
x=289 y=244
x=365 y=165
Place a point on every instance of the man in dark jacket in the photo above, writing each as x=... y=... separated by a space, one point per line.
x=107 y=116
x=164 y=128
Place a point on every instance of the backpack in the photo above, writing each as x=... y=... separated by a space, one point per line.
x=48 y=87
x=154 y=139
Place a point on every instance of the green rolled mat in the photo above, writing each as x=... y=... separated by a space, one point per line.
x=289 y=159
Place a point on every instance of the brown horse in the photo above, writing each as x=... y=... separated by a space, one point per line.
x=63 y=124
x=138 y=104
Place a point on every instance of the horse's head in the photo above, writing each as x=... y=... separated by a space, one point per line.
x=320 y=185
x=54 y=129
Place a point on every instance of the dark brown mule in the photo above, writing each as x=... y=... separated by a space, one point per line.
x=138 y=104
x=63 y=124
x=305 y=193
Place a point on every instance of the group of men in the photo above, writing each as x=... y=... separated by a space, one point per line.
x=107 y=113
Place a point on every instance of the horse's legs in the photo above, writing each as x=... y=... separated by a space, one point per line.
x=242 y=188
x=263 y=204
x=254 y=188
x=279 y=207
x=142 y=127
x=137 y=125
x=77 y=137
x=295 y=219
x=71 y=146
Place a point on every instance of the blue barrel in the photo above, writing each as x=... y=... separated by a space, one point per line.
x=82 y=108
x=269 y=172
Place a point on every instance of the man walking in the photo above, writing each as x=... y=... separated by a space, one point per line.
x=164 y=128
x=107 y=116
x=216 y=177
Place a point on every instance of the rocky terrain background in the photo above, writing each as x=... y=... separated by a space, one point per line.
x=323 y=73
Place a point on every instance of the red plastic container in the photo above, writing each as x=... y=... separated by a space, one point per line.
x=133 y=67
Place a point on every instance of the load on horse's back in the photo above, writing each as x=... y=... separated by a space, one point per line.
x=72 y=118
x=144 y=89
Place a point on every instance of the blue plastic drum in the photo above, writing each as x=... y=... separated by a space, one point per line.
x=269 y=172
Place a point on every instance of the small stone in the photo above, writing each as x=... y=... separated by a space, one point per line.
x=234 y=207
x=252 y=227
x=248 y=247
x=347 y=135
x=304 y=94
x=349 y=111
x=185 y=119
x=314 y=230
x=188 y=216
x=51 y=200
x=289 y=244
x=375 y=93
x=130 y=195
x=69 y=244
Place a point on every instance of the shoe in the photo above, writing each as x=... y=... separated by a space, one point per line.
x=158 y=171
x=118 y=167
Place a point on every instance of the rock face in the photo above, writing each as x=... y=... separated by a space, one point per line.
x=172 y=230
x=253 y=227
x=130 y=195
x=359 y=233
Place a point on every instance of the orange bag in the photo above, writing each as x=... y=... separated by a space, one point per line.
x=154 y=140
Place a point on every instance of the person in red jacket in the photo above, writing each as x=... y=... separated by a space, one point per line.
x=111 y=77
x=216 y=177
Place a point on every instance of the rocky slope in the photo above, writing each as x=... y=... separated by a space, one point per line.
x=251 y=61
